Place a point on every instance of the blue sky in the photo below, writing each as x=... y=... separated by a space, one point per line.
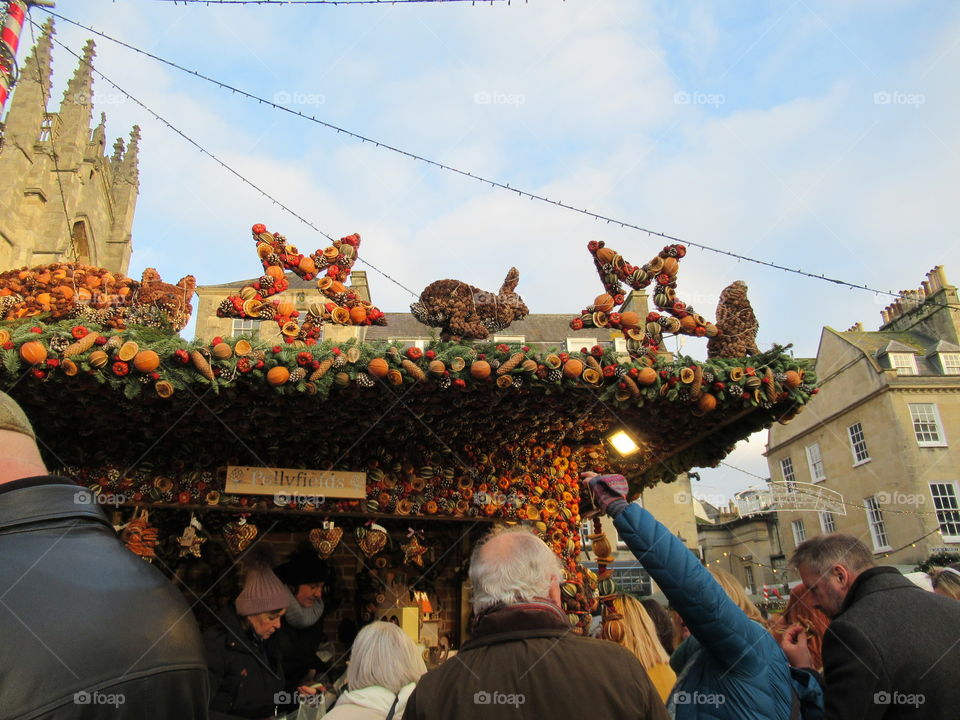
x=818 y=135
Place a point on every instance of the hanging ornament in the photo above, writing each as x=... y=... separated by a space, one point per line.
x=139 y=537
x=239 y=535
x=371 y=538
x=325 y=539
x=191 y=541
x=413 y=551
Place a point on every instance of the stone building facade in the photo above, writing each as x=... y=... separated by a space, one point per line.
x=61 y=197
x=884 y=432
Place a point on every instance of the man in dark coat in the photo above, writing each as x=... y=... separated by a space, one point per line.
x=87 y=629
x=892 y=649
x=524 y=661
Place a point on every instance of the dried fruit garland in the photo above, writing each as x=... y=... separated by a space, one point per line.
x=140 y=357
x=332 y=264
x=529 y=482
x=643 y=335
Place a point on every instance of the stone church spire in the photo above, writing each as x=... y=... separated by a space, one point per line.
x=30 y=96
x=130 y=167
x=76 y=110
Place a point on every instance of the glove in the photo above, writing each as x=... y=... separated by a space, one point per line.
x=609 y=492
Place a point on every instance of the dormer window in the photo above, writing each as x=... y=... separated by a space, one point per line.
x=950 y=363
x=903 y=363
x=574 y=344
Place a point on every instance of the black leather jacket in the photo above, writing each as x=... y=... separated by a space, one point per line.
x=87 y=629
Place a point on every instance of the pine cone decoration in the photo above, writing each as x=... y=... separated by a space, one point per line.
x=444 y=382
x=621 y=371
x=737 y=324
x=266 y=282
x=414 y=370
x=364 y=380
x=510 y=364
x=518 y=381
x=201 y=364
x=322 y=370
x=81 y=345
x=296 y=375
x=224 y=308
x=555 y=375
x=228 y=374
x=59 y=343
x=339 y=361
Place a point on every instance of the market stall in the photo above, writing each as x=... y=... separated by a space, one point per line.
x=390 y=460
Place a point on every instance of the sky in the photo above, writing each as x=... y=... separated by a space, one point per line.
x=819 y=136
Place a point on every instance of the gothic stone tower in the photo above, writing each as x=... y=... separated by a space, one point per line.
x=61 y=198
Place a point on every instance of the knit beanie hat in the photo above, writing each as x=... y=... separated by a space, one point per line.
x=262 y=589
x=304 y=567
x=12 y=418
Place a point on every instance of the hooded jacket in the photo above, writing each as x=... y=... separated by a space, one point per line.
x=740 y=673
x=87 y=628
x=370 y=703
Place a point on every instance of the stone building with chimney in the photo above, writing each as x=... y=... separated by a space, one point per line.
x=884 y=433
x=61 y=197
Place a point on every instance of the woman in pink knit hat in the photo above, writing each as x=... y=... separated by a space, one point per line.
x=246 y=676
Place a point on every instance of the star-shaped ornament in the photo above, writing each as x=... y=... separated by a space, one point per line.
x=413 y=551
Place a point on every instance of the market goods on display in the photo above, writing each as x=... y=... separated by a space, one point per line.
x=464 y=311
x=330 y=266
x=139 y=537
x=644 y=335
x=325 y=539
x=239 y=535
x=95 y=295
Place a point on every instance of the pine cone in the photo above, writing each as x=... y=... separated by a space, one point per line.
x=266 y=282
x=224 y=308
x=364 y=380
x=555 y=375
x=339 y=361
x=510 y=364
x=322 y=370
x=201 y=364
x=414 y=370
x=444 y=382
x=296 y=375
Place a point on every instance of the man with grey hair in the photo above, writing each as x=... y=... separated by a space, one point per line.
x=88 y=629
x=523 y=660
x=891 y=651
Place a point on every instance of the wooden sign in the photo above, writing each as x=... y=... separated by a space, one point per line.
x=243 y=479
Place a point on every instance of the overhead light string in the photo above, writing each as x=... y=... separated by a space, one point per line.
x=487 y=181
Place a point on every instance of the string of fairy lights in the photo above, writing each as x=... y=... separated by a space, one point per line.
x=479 y=178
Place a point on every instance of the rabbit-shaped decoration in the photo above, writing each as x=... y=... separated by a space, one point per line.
x=463 y=311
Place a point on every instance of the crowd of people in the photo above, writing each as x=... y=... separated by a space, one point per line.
x=91 y=631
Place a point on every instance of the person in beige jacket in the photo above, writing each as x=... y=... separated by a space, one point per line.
x=384 y=667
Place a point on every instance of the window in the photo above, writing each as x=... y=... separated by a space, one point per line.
x=574 y=344
x=799 y=532
x=950 y=362
x=815 y=461
x=517 y=339
x=789 y=477
x=408 y=341
x=244 y=326
x=926 y=425
x=903 y=363
x=620 y=346
x=827 y=522
x=751 y=585
x=858 y=444
x=948 y=509
x=878 y=529
x=632 y=579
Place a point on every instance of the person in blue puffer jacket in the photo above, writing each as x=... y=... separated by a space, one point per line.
x=740 y=673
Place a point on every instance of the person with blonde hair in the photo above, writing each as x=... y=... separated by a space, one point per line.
x=640 y=638
x=384 y=668
x=946 y=580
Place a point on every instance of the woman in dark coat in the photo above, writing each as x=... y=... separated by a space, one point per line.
x=246 y=676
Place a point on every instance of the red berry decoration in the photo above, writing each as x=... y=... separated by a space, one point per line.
x=217 y=340
x=78 y=331
x=120 y=368
x=36 y=329
x=38 y=373
x=8 y=345
x=304 y=359
x=182 y=356
x=53 y=362
x=431 y=354
x=276 y=349
x=414 y=353
x=259 y=228
x=184 y=497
